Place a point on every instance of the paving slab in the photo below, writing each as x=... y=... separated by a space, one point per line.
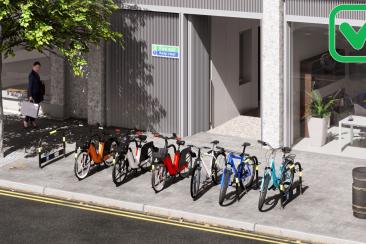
x=323 y=212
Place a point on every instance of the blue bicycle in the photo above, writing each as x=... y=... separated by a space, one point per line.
x=242 y=174
x=284 y=179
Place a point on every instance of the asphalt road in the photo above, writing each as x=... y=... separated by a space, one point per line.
x=39 y=220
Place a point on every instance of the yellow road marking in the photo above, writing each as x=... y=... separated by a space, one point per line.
x=144 y=217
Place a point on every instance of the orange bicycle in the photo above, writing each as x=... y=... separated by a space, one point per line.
x=99 y=149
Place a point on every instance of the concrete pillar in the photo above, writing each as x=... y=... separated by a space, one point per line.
x=272 y=57
x=96 y=85
x=54 y=104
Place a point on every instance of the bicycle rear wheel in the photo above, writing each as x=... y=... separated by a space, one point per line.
x=263 y=191
x=217 y=167
x=112 y=150
x=247 y=174
x=224 y=186
x=187 y=168
x=195 y=181
x=287 y=178
x=146 y=164
x=158 y=177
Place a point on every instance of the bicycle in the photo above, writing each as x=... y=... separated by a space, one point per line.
x=99 y=149
x=163 y=164
x=201 y=173
x=243 y=174
x=283 y=179
x=130 y=159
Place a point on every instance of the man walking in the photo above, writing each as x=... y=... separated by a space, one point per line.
x=35 y=91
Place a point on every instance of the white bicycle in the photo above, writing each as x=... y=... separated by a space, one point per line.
x=202 y=174
x=133 y=154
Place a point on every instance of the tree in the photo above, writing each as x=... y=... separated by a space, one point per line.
x=64 y=27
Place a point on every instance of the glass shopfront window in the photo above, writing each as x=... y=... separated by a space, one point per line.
x=314 y=71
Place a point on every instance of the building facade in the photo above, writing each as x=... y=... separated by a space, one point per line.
x=236 y=66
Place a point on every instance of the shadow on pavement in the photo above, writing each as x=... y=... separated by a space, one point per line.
x=272 y=201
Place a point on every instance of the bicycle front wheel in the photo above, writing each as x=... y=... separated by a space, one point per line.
x=263 y=191
x=158 y=177
x=195 y=181
x=224 y=186
x=119 y=171
x=247 y=174
x=82 y=165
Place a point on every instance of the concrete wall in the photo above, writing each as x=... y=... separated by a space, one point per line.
x=16 y=69
x=272 y=57
x=229 y=98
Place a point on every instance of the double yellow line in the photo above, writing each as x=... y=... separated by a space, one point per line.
x=144 y=217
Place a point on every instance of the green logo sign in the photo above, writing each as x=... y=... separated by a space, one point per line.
x=355 y=38
x=165 y=51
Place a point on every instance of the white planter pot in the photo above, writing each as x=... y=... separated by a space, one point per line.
x=318 y=130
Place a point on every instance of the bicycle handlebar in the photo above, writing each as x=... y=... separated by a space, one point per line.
x=199 y=148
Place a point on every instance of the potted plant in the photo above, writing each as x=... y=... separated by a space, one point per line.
x=318 y=118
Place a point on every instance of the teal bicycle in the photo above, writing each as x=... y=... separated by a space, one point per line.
x=282 y=181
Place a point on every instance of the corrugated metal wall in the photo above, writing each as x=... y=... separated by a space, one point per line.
x=254 y=6
x=199 y=71
x=143 y=91
x=322 y=8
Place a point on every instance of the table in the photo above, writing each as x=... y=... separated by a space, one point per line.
x=358 y=121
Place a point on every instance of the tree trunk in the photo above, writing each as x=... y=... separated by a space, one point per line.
x=1 y=101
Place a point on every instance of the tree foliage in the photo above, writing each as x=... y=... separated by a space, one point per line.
x=67 y=27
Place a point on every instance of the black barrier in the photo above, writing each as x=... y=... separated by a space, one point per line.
x=44 y=156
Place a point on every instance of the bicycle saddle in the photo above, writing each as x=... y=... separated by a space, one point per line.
x=246 y=144
x=180 y=142
x=215 y=142
x=286 y=150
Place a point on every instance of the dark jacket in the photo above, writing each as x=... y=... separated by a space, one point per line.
x=35 y=87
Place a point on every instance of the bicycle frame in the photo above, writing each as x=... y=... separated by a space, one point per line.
x=202 y=162
x=95 y=155
x=271 y=170
x=173 y=166
x=236 y=170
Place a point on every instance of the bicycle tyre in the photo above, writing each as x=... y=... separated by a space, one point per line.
x=287 y=177
x=120 y=171
x=224 y=186
x=215 y=168
x=85 y=165
x=263 y=191
x=252 y=166
x=159 y=172
x=195 y=181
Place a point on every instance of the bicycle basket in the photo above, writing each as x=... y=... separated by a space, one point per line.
x=160 y=154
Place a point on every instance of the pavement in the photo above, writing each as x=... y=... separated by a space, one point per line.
x=28 y=221
x=322 y=214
